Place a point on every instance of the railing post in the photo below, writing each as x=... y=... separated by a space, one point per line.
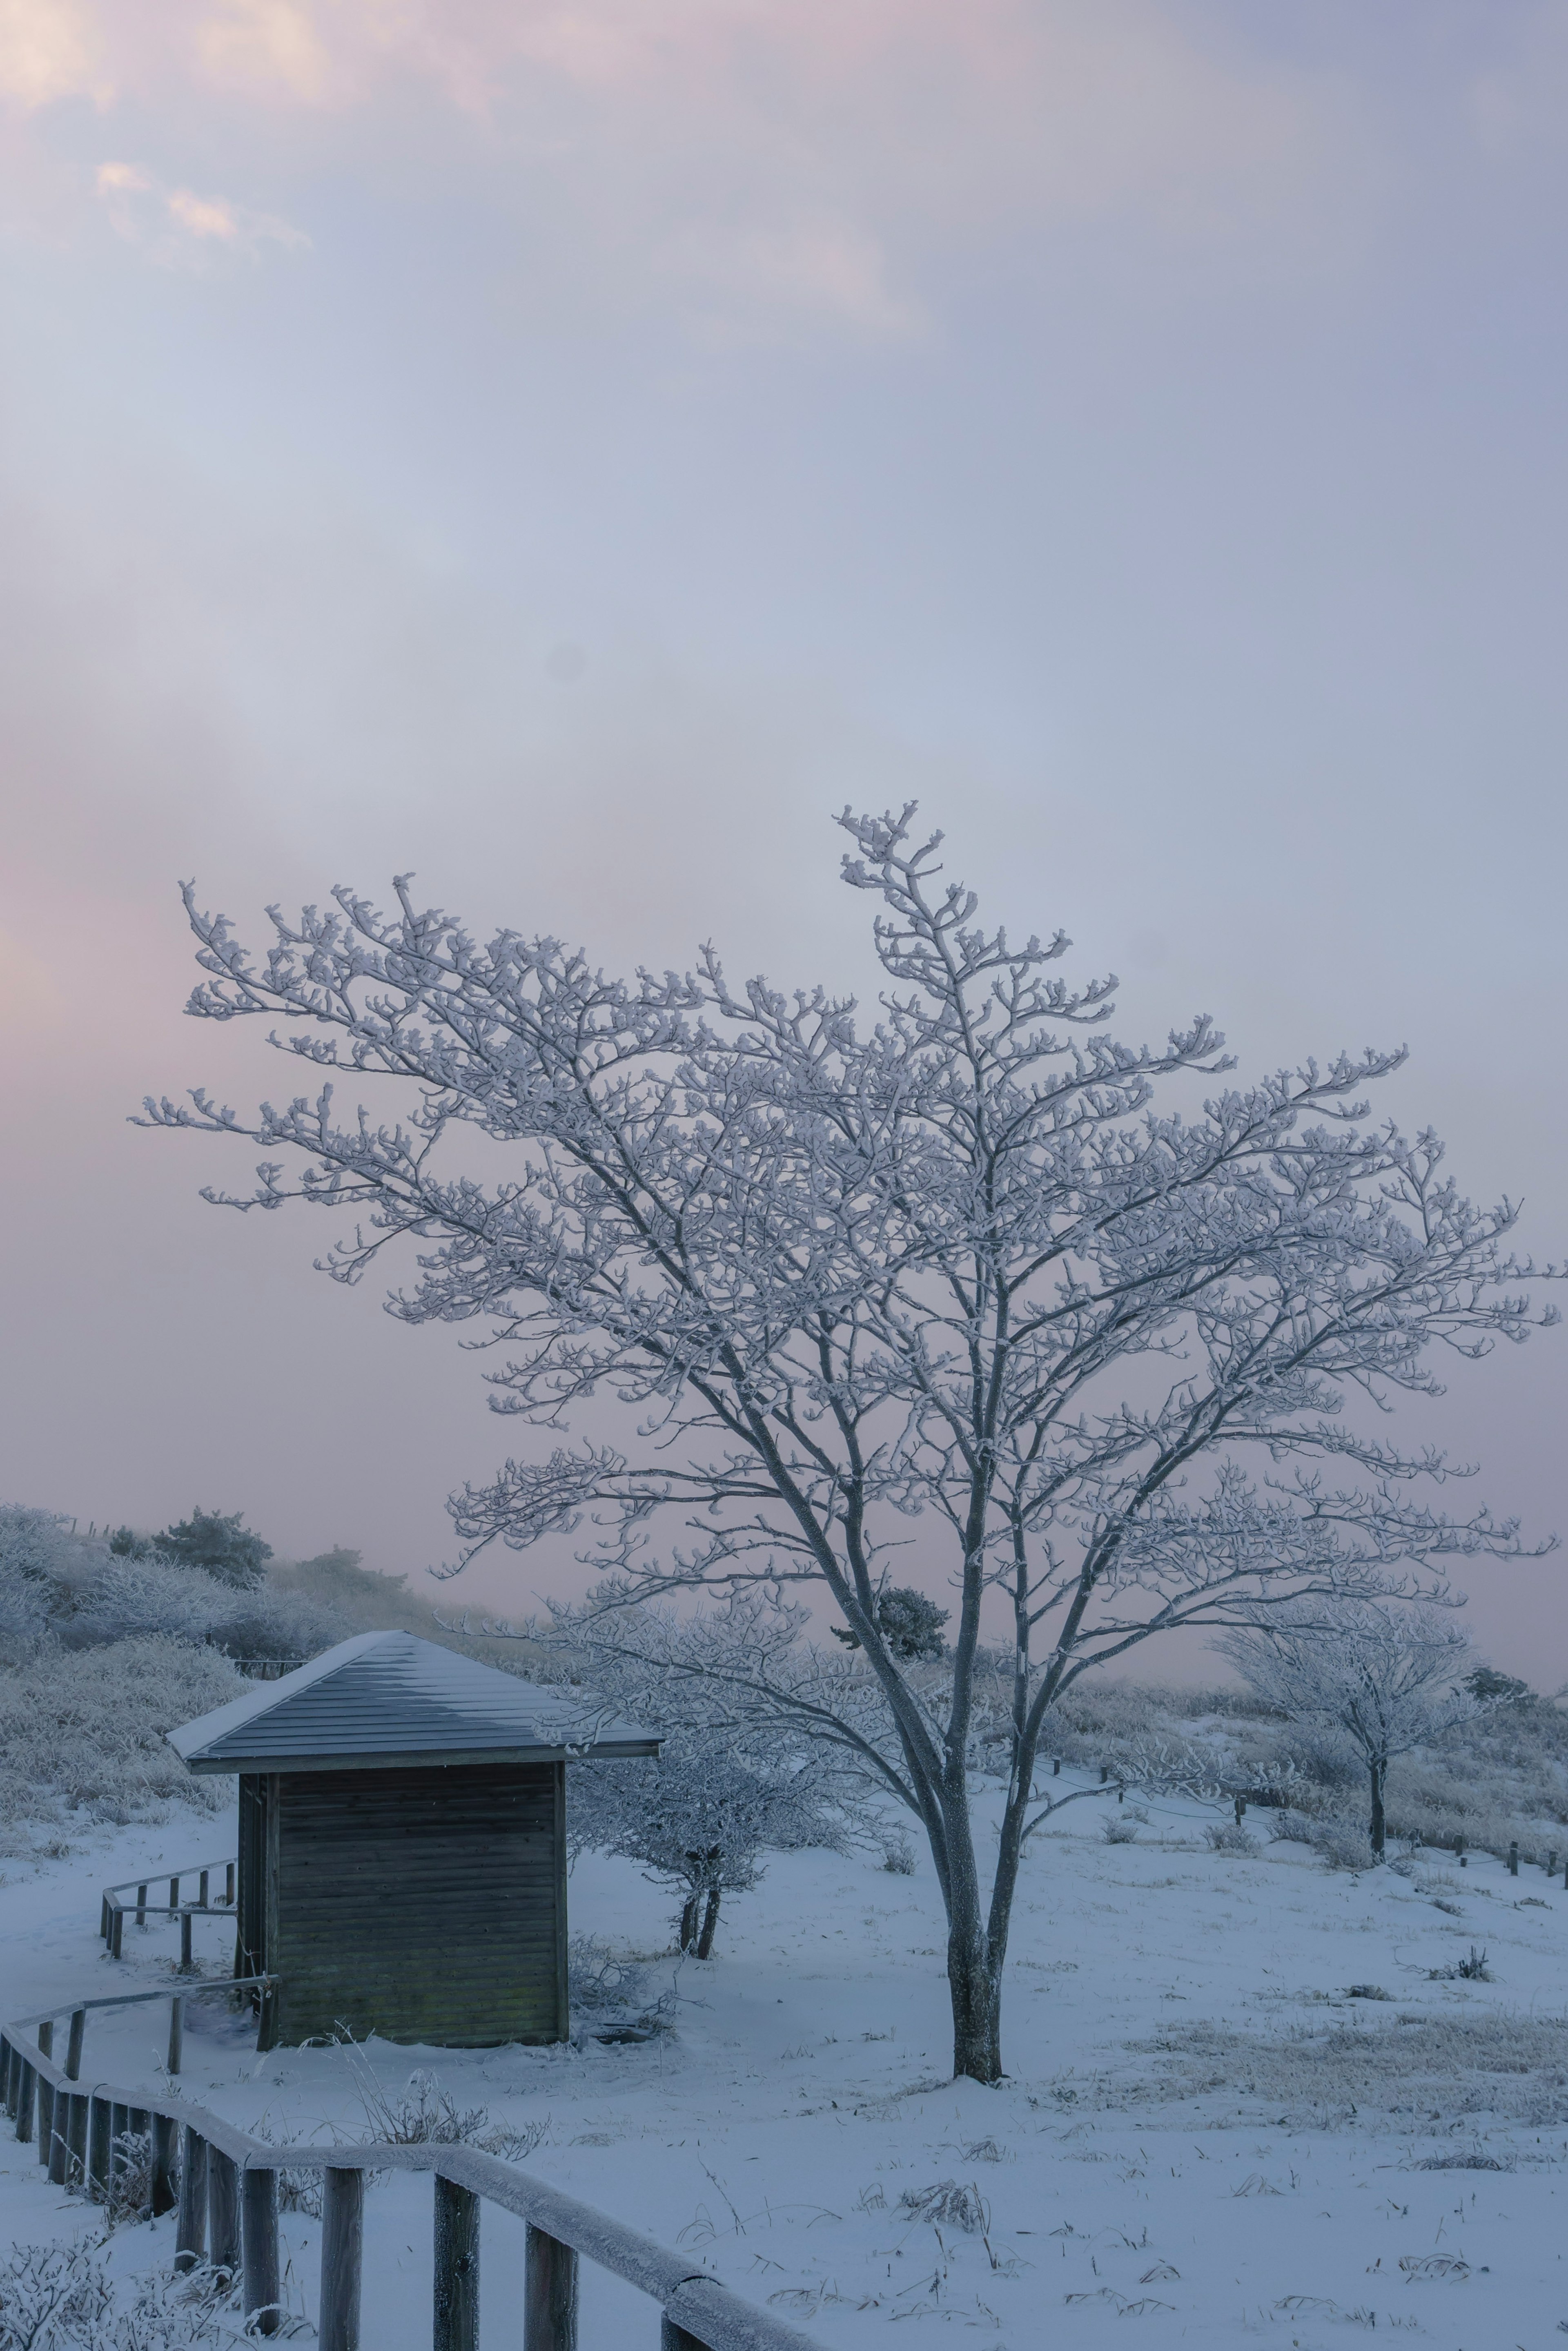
x=77 y=2138
x=187 y=1963
x=201 y=1891
x=223 y=2212
x=117 y=1938
x=176 y=2034
x=229 y=1884
x=141 y=1906
x=73 y=2045
x=549 y=2294
x=191 y=2229
x=164 y=2194
x=673 y=2336
x=173 y=1894
x=258 y=2191
x=60 y=2124
x=342 y=2259
x=456 y=2324
x=25 y=2093
x=44 y=2095
x=5 y=2073
x=103 y=1919
x=101 y=2137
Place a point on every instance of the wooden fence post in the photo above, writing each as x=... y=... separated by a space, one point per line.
x=59 y=2123
x=191 y=2229
x=141 y=1906
x=549 y=2294
x=100 y=2121
x=164 y=2194
x=176 y=2035
x=456 y=2324
x=223 y=2212
x=264 y=2311
x=1513 y=1860
x=674 y=2338
x=117 y=1938
x=73 y=2045
x=44 y=2095
x=25 y=2097
x=77 y=2138
x=187 y=1962
x=342 y=2259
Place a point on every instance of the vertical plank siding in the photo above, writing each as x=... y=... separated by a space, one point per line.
x=423 y=1905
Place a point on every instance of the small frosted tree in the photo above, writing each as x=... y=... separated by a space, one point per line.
x=701 y=1816
x=822 y=1290
x=1391 y=1678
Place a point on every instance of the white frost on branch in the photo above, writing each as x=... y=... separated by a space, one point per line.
x=960 y=1278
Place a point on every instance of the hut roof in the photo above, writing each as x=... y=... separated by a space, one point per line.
x=387 y=1699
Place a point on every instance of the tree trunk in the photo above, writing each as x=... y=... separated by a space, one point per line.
x=688 y=1927
x=709 y=1921
x=977 y=2012
x=1377 y=1831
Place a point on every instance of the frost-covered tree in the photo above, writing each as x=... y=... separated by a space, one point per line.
x=701 y=1816
x=1390 y=1678
x=219 y=1544
x=975 y=1277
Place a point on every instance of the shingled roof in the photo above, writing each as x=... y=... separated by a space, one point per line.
x=387 y=1699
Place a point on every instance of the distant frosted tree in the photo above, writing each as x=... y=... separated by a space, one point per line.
x=956 y=1277
x=1389 y=1677
x=218 y=1545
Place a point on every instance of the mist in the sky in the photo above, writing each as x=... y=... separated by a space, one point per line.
x=570 y=451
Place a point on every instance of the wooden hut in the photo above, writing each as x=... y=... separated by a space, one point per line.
x=403 y=1853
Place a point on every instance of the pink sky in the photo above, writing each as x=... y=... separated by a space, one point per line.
x=569 y=451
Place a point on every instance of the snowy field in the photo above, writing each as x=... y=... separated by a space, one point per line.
x=1204 y=2137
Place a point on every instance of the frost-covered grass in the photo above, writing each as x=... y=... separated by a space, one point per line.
x=1499 y=1780
x=82 y=1733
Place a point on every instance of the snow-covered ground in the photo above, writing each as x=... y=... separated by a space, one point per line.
x=1202 y=2139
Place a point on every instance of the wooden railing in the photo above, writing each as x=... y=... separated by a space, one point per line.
x=223 y=2186
x=146 y=1905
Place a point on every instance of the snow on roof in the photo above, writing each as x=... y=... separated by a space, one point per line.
x=386 y=1699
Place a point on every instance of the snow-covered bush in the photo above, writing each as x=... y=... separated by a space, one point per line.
x=1230 y=1837
x=30 y=1544
x=154 y=1595
x=84 y=1729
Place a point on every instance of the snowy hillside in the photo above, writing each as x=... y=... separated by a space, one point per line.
x=1248 y=2099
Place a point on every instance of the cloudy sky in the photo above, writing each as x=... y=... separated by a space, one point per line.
x=570 y=450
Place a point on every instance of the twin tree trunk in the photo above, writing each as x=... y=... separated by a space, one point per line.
x=699 y=1942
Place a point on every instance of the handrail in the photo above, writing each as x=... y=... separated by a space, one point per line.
x=223 y=2183
x=112 y=1909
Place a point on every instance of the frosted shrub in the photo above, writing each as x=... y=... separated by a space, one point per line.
x=1230 y=1837
x=898 y=1854
x=84 y=1729
x=154 y=1595
x=1115 y=1829
x=1343 y=1846
x=53 y=2297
